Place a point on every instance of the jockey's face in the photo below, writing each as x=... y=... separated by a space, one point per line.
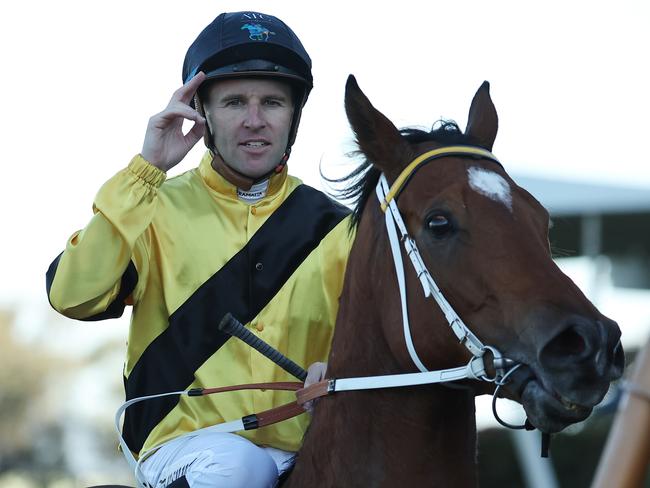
x=250 y=119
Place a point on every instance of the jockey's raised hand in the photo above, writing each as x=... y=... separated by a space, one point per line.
x=165 y=145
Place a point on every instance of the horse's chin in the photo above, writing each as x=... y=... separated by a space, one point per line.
x=548 y=411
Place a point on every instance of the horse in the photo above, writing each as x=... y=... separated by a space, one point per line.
x=485 y=241
x=257 y=32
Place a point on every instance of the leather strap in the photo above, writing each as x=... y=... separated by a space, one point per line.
x=280 y=385
x=391 y=224
x=278 y=414
x=322 y=388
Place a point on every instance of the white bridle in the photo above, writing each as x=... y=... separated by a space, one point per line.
x=475 y=369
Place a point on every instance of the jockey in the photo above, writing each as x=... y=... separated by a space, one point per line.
x=235 y=234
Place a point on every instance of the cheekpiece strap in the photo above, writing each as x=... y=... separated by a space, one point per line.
x=395 y=224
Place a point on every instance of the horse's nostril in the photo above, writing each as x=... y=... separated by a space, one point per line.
x=568 y=343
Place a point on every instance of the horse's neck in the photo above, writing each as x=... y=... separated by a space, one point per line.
x=418 y=436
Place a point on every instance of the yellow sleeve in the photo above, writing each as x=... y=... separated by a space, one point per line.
x=97 y=273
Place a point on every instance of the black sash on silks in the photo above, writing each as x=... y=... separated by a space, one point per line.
x=243 y=286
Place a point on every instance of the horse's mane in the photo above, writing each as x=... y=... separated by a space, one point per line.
x=360 y=184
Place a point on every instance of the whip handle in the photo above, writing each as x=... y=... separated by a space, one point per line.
x=231 y=326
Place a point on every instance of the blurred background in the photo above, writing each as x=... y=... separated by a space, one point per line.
x=80 y=80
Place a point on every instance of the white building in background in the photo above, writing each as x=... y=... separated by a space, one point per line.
x=603 y=233
x=604 y=230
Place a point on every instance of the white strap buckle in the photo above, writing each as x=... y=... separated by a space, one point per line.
x=476 y=368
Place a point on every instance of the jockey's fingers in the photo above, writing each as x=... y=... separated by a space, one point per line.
x=196 y=133
x=186 y=92
x=173 y=113
x=315 y=373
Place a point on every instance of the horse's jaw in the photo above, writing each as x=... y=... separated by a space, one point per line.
x=548 y=412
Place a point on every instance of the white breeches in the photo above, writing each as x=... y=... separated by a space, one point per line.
x=215 y=460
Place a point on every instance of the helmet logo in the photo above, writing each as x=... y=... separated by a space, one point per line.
x=256 y=32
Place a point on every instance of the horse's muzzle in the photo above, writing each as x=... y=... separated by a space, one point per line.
x=578 y=362
x=575 y=362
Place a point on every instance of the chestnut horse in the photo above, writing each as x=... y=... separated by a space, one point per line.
x=485 y=242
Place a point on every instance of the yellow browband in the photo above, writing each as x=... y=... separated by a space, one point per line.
x=423 y=158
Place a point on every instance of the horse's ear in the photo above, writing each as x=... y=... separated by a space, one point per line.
x=377 y=137
x=483 y=123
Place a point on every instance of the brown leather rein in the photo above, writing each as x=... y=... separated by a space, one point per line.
x=277 y=414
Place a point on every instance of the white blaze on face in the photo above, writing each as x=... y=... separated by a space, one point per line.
x=490 y=184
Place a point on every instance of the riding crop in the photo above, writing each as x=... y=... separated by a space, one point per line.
x=233 y=327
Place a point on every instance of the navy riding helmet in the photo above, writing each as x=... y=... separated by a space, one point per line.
x=246 y=44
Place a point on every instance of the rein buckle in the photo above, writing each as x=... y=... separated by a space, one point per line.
x=476 y=368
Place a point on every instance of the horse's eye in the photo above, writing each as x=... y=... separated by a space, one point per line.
x=439 y=226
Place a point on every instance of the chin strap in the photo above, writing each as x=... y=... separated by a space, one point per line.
x=283 y=160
